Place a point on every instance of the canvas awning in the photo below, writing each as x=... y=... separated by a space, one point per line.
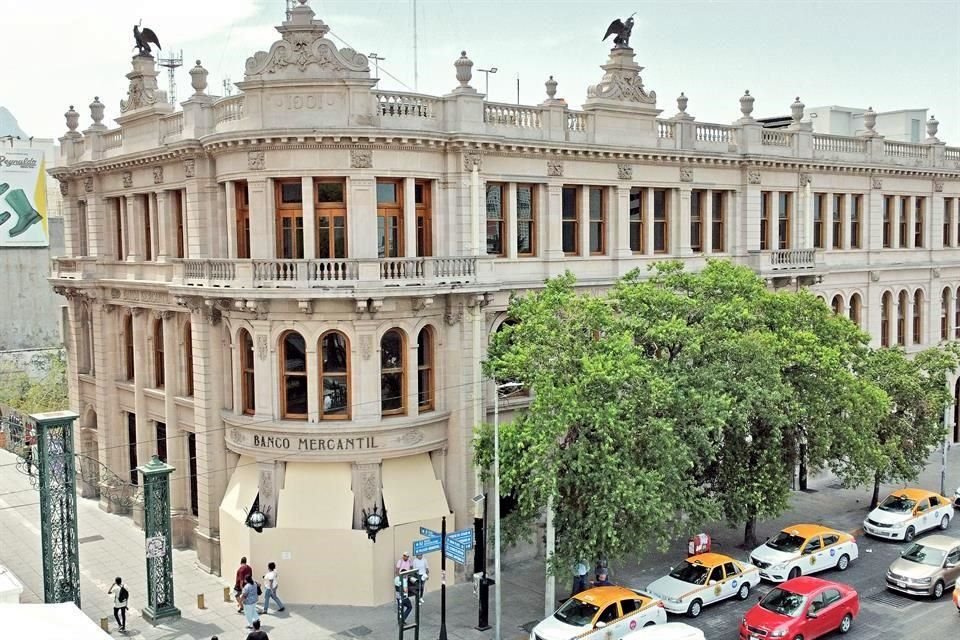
x=411 y=490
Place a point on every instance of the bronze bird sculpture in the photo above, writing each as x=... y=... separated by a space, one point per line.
x=143 y=39
x=622 y=31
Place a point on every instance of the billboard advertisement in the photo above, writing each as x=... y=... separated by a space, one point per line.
x=23 y=198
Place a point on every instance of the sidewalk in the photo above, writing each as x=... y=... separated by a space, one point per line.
x=110 y=545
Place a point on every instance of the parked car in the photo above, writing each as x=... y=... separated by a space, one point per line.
x=956 y=499
x=927 y=567
x=616 y=609
x=907 y=512
x=805 y=607
x=704 y=579
x=804 y=549
x=669 y=631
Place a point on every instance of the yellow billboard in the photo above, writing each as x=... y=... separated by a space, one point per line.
x=23 y=199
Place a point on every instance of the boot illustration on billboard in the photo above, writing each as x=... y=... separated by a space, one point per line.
x=3 y=188
x=29 y=216
x=4 y=217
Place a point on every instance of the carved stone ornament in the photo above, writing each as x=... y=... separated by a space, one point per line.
x=142 y=90
x=876 y=183
x=369 y=483
x=304 y=51
x=686 y=174
x=625 y=171
x=621 y=80
x=753 y=176
x=454 y=313
x=189 y=168
x=158 y=174
x=875 y=276
x=361 y=158
x=805 y=179
x=262 y=347
x=936 y=272
x=127 y=179
x=411 y=437
x=555 y=168
x=256 y=160
x=937 y=185
x=88 y=184
x=472 y=159
x=366 y=347
x=65 y=186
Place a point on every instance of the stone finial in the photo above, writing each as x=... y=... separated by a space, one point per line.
x=198 y=79
x=682 y=103
x=932 y=125
x=746 y=105
x=464 y=66
x=73 y=119
x=869 y=121
x=96 y=113
x=551 y=85
x=796 y=110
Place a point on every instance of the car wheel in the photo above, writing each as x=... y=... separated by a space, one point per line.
x=846 y=623
x=944 y=523
x=794 y=573
x=696 y=608
x=798 y=637
x=938 y=590
x=650 y=624
x=909 y=535
x=744 y=592
x=843 y=563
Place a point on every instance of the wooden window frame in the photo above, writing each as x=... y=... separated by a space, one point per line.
x=178 y=214
x=918 y=316
x=902 y=299
x=573 y=221
x=188 y=358
x=766 y=207
x=919 y=215
x=697 y=213
x=886 y=310
x=284 y=374
x=531 y=223
x=718 y=222
x=424 y=218
x=429 y=367
x=120 y=254
x=664 y=222
x=347 y=414
x=498 y=224
x=332 y=211
x=292 y=211
x=856 y=220
x=129 y=369
x=837 y=215
x=402 y=370
x=903 y=229
x=597 y=224
x=638 y=221
x=784 y=219
x=159 y=377
x=144 y=201
x=83 y=243
x=819 y=199
x=248 y=379
x=242 y=206
x=887 y=237
x=393 y=211
x=947 y=221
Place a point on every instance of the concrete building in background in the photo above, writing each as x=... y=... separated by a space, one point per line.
x=901 y=125
x=287 y=293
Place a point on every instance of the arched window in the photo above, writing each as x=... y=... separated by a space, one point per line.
x=855 y=308
x=334 y=376
x=886 y=309
x=293 y=367
x=188 y=358
x=837 y=304
x=248 y=394
x=425 y=356
x=902 y=319
x=918 y=316
x=945 y=314
x=128 y=346
x=393 y=379
x=158 y=377
x=84 y=341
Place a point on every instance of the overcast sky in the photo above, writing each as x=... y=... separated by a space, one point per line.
x=886 y=54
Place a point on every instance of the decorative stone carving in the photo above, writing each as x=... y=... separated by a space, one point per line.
x=96 y=113
x=464 y=67
x=938 y=185
x=753 y=176
x=869 y=121
x=621 y=80
x=876 y=183
x=366 y=346
x=746 y=105
x=805 y=179
x=127 y=179
x=72 y=118
x=932 y=125
x=419 y=304
x=189 y=168
x=686 y=174
x=361 y=158
x=88 y=184
x=411 y=437
x=555 y=168
x=305 y=306
x=454 y=313
x=256 y=160
x=936 y=272
x=142 y=90
x=198 y=79
x=262 y=347
x=369 y=486
x=64 y=186
x=472 y=159
x=158 y=174
x=875 y=276
x=625 y=171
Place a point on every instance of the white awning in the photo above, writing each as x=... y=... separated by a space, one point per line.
x=411 y=490
x=49 y=622
x=316 y=495
x=241 y=490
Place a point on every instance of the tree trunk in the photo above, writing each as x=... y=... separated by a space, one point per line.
x=803 y=466
x=750 y=532
x=875 y=500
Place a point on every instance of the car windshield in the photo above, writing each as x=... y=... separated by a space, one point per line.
x=898 y=504
x=783 y=602
x=692 y=573
x=924 y=555
x=786 y=542
x=577 y=613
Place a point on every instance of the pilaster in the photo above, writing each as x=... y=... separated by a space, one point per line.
x=309 y=218
x=680 y=224
x=146 y=440
x=510 y=221
x=262 y=227
x=846 y=218
x=105 y=320
x=409 y=218
x=230 y=195
x=550 y=218
x=166 y=227
x=620 y=215
x=362 y=217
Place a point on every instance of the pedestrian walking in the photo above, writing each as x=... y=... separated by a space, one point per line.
x=579 y=578
x=404 y=564
x=270 y=584
x=404 y=606
x=120 y=597
x=423 y=573
x=257 y=633
x=248 y=596
x=244 y=571
x=602 y=580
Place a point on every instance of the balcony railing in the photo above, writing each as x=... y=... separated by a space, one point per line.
x=776 y=138
x=228 y=109
x=171 y=126
x=952 y=153
x=405 y=105
x=905 y=150
x=792 y=259
x=113 y=139
x=576 y=121
x=839 y=144
x=665 y=129
x=714 y=133
x=511 y=115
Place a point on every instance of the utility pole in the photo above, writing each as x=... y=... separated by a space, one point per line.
x=172 y=64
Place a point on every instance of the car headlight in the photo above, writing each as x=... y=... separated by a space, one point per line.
x=778 y=633
x=920 y=580
x=779 y=567
x=675 y=600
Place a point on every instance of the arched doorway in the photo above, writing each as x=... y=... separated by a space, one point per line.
x=89 y=462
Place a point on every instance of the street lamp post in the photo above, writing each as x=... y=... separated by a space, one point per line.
x=487 y=73
x=496 y=498
x=376 y=63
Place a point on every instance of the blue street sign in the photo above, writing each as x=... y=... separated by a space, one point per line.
x=426 y=545
x=428 y=533
x=463 y=536
x=456 y=551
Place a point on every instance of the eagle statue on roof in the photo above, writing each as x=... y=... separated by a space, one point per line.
x=142 y=39
x=622 y=31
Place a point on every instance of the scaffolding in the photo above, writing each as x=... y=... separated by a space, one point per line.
x=172 y=64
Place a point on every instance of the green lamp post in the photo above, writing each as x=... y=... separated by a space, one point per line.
x=159 y=551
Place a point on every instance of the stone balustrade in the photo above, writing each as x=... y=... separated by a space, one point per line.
x=113 y=139
x=405 y=105
x=665 y=129
x=905 y=150
x=839 y=144
x=171 y=127
x=511 y=115
x=776 y=138
x=228 y=109
x=792 y=259
x=714 y=133
x=952 y=153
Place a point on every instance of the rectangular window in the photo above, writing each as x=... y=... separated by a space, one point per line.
x=289 y=202
x=661 y=223
x=903 y=228
x=495 y=219
x=330 y=209
x=783 y=220
x=570 y=215
x=82 y=244
x=887 y=221
x=638 y=203
x=819 y=203
x=424 y=209
x=242 y=206
x=132 y=448
x=947 y=220
x=179 y=216
x=598 y=221
x=697 y=202
x=143 y=203
x=918 y=215
x=856 y=213
x=526 y=221
x=118 y=229
x=389 y=219
x=837 y=221
x=162 y=441
x=192 y=454
x=766 y=202
x=718 y=221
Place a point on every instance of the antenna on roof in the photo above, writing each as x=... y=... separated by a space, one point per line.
x=172 y=63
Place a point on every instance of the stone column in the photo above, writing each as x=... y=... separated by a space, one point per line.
x=510 y=221
x=365 y=371
x=951 y=317
x=409 y=218
x=309 y=218
x=201 y=211
x=230 y=188
x=954 y=217
x=128 y=215
x=110 y=430
x=262 y=222
x=550 y=218
x=872 y=215
x=71 y=229
x=218 y=220
x=680 y=231
x=98 y=236
x=314 y=397
x=752 y=210
x=620 y=217
x=263 y=370
x=910 y=215
x=166 y=227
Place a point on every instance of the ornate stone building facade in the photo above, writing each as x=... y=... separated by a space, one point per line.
x=287 y=293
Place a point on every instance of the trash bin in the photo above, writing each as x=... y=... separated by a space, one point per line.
x=699 y=543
